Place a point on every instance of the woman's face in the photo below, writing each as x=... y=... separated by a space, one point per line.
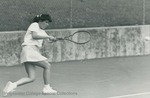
x=44 y=24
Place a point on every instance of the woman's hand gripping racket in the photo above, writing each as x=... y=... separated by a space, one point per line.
x=79 y=37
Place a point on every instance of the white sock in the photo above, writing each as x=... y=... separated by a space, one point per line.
x=47 y=85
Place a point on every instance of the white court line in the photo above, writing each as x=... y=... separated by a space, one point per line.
x=130 y=95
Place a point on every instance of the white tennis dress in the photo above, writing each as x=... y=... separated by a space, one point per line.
x=31 y=47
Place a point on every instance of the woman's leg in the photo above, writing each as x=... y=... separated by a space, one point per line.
x=46 y=76
x=46 y=70
x=30 y=69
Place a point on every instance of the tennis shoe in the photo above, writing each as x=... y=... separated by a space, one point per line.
x=9 y=88
x=49 y=90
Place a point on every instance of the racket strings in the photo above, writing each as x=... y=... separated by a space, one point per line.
x=81 y=37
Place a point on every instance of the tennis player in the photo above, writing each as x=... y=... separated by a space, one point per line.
x=31 y=56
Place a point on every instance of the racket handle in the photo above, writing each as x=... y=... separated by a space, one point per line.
x=59 y=38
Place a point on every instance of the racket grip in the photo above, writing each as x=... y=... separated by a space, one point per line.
x=59 y=38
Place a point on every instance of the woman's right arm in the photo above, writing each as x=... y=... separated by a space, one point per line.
x=38 y=37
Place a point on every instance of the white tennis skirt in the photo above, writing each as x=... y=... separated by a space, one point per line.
x=31 y=53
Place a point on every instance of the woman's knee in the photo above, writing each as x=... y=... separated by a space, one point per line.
x=43 y=64
x=31 y=79
x=47 y=66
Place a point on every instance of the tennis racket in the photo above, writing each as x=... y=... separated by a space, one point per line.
x=79 y=37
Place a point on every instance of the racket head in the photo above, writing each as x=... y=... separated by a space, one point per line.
x=80 y=37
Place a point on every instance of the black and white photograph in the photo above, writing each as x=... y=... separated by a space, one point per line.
x=74 y=48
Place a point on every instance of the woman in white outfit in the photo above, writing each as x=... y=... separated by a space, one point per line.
x=31 y=56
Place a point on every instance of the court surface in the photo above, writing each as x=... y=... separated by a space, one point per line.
x=119 y=77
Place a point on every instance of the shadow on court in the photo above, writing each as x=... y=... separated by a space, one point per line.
x=120 y=77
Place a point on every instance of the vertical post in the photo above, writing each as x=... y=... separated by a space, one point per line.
x=70 y=13
x=143 y=12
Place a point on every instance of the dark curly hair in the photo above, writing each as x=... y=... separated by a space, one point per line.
x=42 y=17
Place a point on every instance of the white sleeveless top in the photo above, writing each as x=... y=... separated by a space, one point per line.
x=28 y=40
